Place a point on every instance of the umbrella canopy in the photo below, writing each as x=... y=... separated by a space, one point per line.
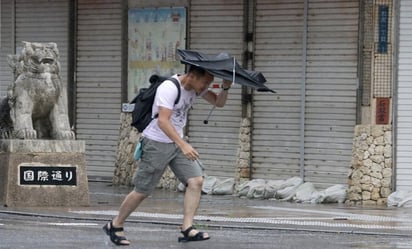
x=225 y=67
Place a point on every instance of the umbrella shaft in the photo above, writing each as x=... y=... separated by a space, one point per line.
x=234 y=70
x=206 y=121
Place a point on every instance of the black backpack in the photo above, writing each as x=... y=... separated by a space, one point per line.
x=143 y=102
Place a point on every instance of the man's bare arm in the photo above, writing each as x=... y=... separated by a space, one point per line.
x=218 y=100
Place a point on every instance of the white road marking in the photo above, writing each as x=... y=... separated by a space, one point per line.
x=331 y=222
x=340 y=215
x=72 y=224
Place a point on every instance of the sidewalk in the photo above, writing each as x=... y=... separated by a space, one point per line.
x=165 y=207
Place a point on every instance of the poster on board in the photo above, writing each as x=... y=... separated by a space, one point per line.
x=154 y=36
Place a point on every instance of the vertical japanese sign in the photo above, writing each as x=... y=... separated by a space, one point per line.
x=382 y=111
x=383 y=29
x=154 y=36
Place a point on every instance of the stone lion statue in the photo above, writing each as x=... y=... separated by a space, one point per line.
x=36 y=102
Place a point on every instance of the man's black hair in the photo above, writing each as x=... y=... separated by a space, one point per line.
x=197 y=70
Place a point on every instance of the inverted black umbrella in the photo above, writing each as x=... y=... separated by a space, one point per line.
x=225 y=67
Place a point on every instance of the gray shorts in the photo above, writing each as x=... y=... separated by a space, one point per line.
x=156 y=156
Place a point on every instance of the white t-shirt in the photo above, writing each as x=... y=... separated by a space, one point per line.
x=166 y=95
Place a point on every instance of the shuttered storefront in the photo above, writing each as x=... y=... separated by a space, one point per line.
x=217 y=26
x=404 y=100
x=98 y=76
x=44 y=21
x=32 y=21
x=276 y=118
x=6 y=44
x=308 y=53
x=331 y=84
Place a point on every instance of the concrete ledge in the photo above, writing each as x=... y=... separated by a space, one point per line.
x=59 y=162
x=42 y=146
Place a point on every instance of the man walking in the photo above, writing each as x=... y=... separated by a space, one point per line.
x=163 y=145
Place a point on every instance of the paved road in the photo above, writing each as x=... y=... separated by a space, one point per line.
x=18 y=231
x=231 y=221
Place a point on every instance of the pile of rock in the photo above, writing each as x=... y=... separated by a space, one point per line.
x=371 y=171
x=125 y=164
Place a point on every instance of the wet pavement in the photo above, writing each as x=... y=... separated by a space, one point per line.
x=50 y=233
x=165 y=208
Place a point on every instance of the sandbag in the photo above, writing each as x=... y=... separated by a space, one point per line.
x=247 y=188
x=242 y=189
x=224 y=187
x=406 y=202
x=181 y=187
x=209 y=183
x=335 y=194
x=400 y=198
x=271 y=187
x=317 y=197
x=288 y=189
x=304 y=193
x=257 y=192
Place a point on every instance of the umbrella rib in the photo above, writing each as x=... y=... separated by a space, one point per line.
x=234 y=70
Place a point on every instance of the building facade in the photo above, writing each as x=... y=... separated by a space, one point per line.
x=325 y=59
x=403 y=96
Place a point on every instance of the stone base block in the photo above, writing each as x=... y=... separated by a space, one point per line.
x=370 y=178
x=43 y=173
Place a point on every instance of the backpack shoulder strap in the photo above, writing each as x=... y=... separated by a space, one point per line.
x=178 y=88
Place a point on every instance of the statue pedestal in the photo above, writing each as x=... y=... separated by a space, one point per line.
x=43 y=173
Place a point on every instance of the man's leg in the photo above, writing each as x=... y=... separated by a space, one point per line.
x=155 y=158
x=130 y=203
x=115 y=228
x=153 y=164
x=189 y=172
x=191 y=203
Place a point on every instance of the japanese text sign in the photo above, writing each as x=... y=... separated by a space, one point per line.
x=382 y=111
x=383 y=29
x=48 y=175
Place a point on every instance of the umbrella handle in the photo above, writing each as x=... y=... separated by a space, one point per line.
x=206 y=121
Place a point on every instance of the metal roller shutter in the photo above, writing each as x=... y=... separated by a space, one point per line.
x=44 y=21
x=331 y=80
x=98 y=74
x=6 y=46
x=307 y=130
x=217 y=26
x=404 y=100
x=276 y=118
